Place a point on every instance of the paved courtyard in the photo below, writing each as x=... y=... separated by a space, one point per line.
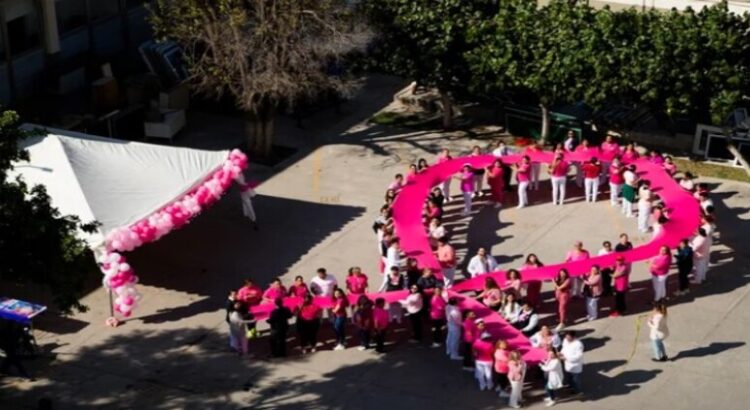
x=316 y=210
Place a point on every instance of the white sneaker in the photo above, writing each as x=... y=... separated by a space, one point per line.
x=339 y=347
x=435 y=345
x=550 y=403
x=361 y=348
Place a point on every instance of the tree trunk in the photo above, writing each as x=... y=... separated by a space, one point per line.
x=445 y=99
x=545 y=124
x=734 y=151
x=259 y=130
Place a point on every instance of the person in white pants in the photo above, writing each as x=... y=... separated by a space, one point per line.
x=700 y=245
x=467 y=188
x=592 y=171
x=659 y=268
x=523 y=175
x=615 y=181
x=558 y=171
x=483 y=355
x=516 y=374
x=644 y=208
x=593 y=282
x=443 y=156
x=454 y=319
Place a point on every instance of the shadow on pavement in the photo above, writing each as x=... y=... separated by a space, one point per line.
x=710 y=350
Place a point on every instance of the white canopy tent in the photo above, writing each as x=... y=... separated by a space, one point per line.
x=113 y=182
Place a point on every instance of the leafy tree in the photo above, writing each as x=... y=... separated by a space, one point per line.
x=426 y=40
x=38 y=246
x=265 y=54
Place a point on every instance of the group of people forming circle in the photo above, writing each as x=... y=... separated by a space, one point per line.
x=430 y=307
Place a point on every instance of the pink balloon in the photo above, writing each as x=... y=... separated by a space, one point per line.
x=128 y=301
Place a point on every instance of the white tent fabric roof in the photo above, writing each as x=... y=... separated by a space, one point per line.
x=112 y=181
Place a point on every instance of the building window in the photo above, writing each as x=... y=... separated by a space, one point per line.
x=71 y=14
x=104 y=8
x=23 y=22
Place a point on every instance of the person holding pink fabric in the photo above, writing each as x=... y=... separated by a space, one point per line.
x=446 y=256
x=584 y=148
x=523 y=174
x=669 y=165
x=495 y=180
x=516 y=374
x=621 y=279
x=467 y=188
x=574 y=255
x=483 y=349
x=609 y=150
x=615 y=181
x=397 y=184
x=536 y=167
x=558 y=171
x=513 y=283
x=455 y=322
x=299 y=288
x=411 y=175
x=250 y=294
x=656 y=158
x=445 y=155
x=356 y=281
x=275 y=291
x=501 y=356
x=437 y=315
x=380 y=321
x=593 y=291
x=659 y=268
x=562 y=294
x=491 y=296
x=478 y=172
x=533 y=287
x=469 y=335
x=592 y=171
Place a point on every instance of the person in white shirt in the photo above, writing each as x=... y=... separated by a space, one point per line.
x=510 y=308
x=572 y=356
x=553 y=370
x=687 y=182
x=570 y=141
x=545 y=339
x=323 y=284
x=705 y=201
x=436 y=231
x=700 y=255
x=392 y=259
x=501 y=149
x=629 y=190
x=455 y=322
x=481 y=264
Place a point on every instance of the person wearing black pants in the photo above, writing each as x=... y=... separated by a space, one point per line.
x=308 y=323
x=279 y=323
x=414 y=304
x=10 y=338
x=620 y=277
x=684 y=257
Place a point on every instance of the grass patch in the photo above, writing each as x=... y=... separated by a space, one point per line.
x=402 y=119
x=706 y=169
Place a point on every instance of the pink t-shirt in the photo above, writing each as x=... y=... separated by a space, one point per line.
x=309 y=312
x=298 y=291
x=251 y=295
x=437 y=308
x=410 y=176
x=658 y=160
x=380 y=318
x=274 y=293
x=524 y=172
x=492 y=297
x=469 y=330
x=501 y=361
x=621 y=283
x=630 y=155
x=396 y=186
x=483 y=350
x=609 y=149
x=615 y=175
x=560 y=169
x=660 y=265
x=467 y=182
x=574 y=255
x=591 y=170
x=515 y=371
x=356 y=284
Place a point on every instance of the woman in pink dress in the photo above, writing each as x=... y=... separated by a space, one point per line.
x=533 y=287
x=562 y=294
x=496 y=182
x=523 y=175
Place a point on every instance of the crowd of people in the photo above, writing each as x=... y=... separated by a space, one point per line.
x=430 y=307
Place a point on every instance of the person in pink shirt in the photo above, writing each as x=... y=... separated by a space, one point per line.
x=380 y=320
x=501 y=356
x=496 y=181
x=482 y=349
x=574 y=255
x=513 y=283
x=558 y=171
x=411 y=175
x=656 y=158
x=621 y=279
x=491 y=296
x=437 y=315
x=356 y=281
x=536 y=167
x=562 y=294
x=584 y=148
x=443 y=156
x=523 y=175
x=478 y=172
x=533 y=287
x=299 y=288
x=468 y=336
x=250 y=294
x=615 y=181
x=659 y=268
x=630 y=154
x=275 y=291
x=340 y=302
x=467 y=188
x=592 y=172
x=669 y=165
x=516 y=374
x=397 y=184
x=446 y=256
x=308 y=323
x=593 y=291
x=609 y=150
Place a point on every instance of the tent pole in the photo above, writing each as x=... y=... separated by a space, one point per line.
x=111 y=310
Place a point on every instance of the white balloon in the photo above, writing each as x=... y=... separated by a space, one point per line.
x=124 y=267
x=125 y=308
